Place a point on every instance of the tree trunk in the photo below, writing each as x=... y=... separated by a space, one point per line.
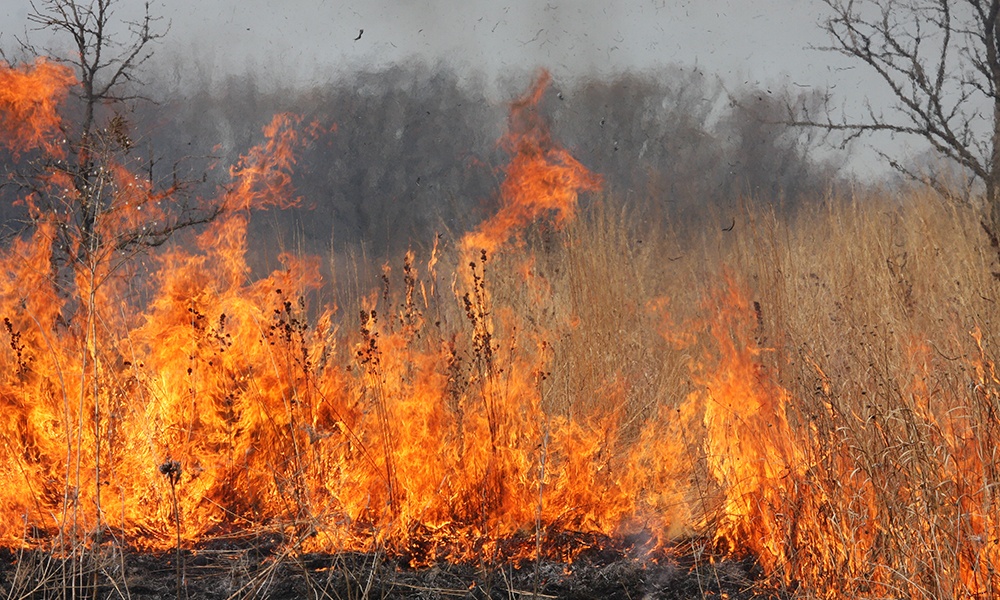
x=993 y=180
x=992 y=37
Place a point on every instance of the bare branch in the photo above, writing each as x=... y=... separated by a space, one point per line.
x=107 y=212
x=938 y=59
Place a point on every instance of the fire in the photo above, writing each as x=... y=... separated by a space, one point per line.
x=182 y=396
x=223 y=404
x=750 y=448
x=262 y=178
x=541 y=179
x=30 y=96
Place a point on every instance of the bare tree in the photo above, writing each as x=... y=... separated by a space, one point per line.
x=106 y=56
x=97 y=203
x=939 y=59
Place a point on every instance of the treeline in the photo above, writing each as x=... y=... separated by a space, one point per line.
x=413 y=151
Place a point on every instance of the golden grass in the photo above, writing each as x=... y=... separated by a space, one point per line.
x=815 y=389
x=868 y=312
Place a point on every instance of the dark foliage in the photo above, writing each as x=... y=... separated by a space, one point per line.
x=412 y=150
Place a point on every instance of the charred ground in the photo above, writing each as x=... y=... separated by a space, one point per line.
x=256 y=568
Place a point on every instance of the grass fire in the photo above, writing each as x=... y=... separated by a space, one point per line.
x=812 y=392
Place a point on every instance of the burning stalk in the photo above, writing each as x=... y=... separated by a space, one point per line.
x=538 y=515
x=477 y=311
x=369 y=356
x=171 y=469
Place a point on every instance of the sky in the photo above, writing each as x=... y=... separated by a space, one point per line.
x=731 y=37
x=751 y=42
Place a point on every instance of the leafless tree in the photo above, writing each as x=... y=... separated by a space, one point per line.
x=939 y=59
x=98 y=203
x=107 y=55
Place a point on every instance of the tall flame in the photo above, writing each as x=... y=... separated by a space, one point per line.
x=30 y=96
x=542 y=178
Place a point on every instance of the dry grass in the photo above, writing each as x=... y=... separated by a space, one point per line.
x=863 y=315
x=867 y=313
x=867 y=416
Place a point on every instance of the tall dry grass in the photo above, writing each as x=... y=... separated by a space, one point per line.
x=876 y=317
x=816 y=389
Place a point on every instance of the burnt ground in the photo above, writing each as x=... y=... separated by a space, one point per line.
x=263 y=571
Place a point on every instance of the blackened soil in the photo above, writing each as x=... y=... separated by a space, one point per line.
x=263 y=571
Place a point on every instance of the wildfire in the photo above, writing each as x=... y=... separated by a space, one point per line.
x=233 y=398
x=211 y=403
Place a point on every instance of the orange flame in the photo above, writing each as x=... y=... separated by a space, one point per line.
x=433 y=446
x=750 y=448
x=263 y=177
x=541 y=179
x=29 y=98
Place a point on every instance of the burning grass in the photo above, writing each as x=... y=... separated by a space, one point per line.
x=816 y=393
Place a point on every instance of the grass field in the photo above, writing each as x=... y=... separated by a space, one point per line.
x=817 y=391
x=814 y=390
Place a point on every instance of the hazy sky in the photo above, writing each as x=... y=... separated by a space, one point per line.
x=762 y=43
x=739 y=39
x=735 y=38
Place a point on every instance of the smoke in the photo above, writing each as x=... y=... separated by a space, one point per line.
x=418 y=91
x=310 y=40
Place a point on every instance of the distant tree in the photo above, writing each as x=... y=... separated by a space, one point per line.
x=670 y=138
x=768 y=159
x=649 y=134
x=940 y=61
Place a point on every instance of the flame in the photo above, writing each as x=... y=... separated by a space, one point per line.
x=803 y=500
x=183 y=396
x=263 y=177
x=30 y=96
x=749 y=445
x=216 y=403
x=542 y=178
